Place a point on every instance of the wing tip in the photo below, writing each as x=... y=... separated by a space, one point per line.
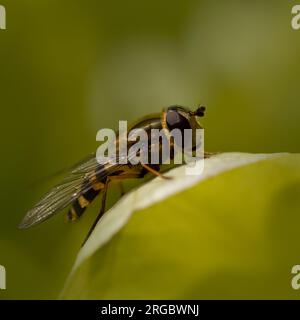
x=27 y=221
x=24 y=224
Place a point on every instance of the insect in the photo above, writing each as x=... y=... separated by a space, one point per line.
x=88 y=179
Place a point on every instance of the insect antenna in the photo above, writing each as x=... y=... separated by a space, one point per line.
x=199 y=112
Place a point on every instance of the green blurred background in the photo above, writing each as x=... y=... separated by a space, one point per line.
x=68 y=68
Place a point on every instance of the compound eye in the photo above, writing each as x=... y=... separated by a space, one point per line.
x=177 y=121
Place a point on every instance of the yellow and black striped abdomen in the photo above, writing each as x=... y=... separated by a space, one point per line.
x=81 y=203
x=97 y=182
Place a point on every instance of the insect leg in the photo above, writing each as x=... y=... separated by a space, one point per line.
x=209 y=154
x=121 y=187
x=129 y=175
x=102 y=210
x=155 y=172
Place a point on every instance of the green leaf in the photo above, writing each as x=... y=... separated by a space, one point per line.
x=230 y=233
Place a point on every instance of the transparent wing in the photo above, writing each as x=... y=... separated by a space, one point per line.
x=76 y=183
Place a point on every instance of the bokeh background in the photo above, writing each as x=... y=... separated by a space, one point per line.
x=68 y=68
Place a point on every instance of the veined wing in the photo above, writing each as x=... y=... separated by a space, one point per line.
x=77 y=182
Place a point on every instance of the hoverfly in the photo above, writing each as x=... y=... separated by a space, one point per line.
x=88 y=179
